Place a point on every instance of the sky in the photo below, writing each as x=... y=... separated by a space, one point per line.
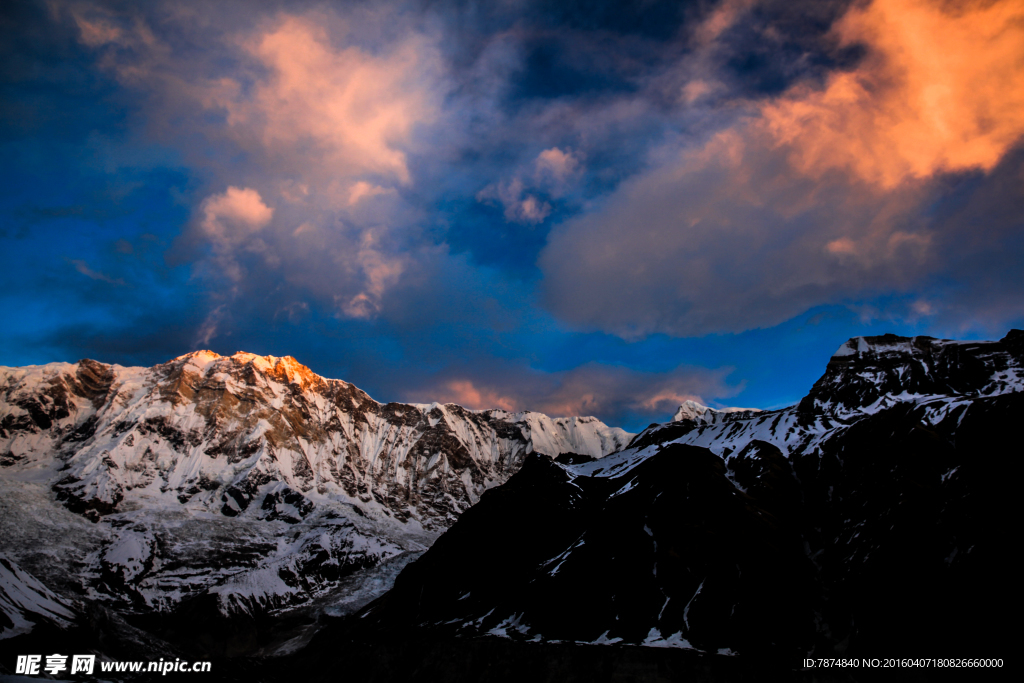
x=579 y=208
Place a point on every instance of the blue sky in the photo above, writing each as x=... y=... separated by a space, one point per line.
x=578 y=208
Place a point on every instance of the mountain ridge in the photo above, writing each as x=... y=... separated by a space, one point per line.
x=698 y=412
x=239 y=485
x=807 y=523
x=825 y=529
x=305 y=412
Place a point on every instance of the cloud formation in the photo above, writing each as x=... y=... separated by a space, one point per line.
x=231 y=220
x=520 y=207
x=613 y=392
x=555 y=168
x=941 y=89
x=82 y=267
x=532 y=205
x=817 y=196
x=324 y=115
x=326 y=104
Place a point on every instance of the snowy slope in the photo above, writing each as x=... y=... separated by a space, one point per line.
x=213 y=433
x=245 y=482
x=24 y=601
x=868 y=374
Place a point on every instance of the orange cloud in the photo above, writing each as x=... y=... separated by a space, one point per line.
x=310 y=100
x=95 y=32
x=555 y=167
x=466 y=394
x=238 y=208
x=352 y=108
x=667 y=400
x=721 y=19
x=364 y=190
x=593 y=389
x=940 y=89
x=843 y=245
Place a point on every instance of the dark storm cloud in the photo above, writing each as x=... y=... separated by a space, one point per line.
x=978 y=221
x=778 y=43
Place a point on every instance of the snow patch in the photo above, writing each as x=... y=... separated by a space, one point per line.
x=676 y=640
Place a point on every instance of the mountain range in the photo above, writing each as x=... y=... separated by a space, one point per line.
x=244 y=508
x=227 y=487
x=871 y=517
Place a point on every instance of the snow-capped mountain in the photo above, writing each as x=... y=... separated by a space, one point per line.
x=865 y=376
x=872 y=516
x=868 y=374
x=698 y=412
x=219 y=433
x=235 y=485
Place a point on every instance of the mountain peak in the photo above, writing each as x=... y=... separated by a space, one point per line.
x=698 y=412
x=219 y=432
x=282 y=368
x=883 y=343
x=690 y=410
x=872 y=373
x=200 y=359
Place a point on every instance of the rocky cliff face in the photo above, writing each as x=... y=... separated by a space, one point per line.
x=868 y=374
x=241 y=484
